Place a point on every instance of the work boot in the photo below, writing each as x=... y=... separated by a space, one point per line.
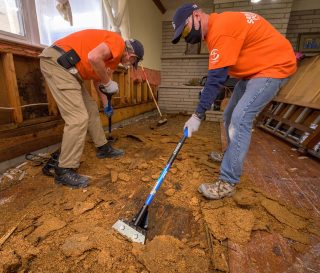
x=217 y=190
x=70 y=178
x=49 y=168
x=106 y=151
x=216 y=157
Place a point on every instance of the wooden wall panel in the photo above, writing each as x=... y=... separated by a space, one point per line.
x=6 y=116
x=12 y=86
x=122 y=88
x=303 y=88
x=144 y=91
x=31 y=86
x=139 y=92
x=127 y=89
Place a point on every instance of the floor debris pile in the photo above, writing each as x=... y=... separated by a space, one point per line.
x=57 y=229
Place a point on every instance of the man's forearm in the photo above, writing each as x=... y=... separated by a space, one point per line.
x=101 y=71
x=216 y=79
x=101 y=95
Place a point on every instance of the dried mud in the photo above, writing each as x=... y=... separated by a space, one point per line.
x=57 y=229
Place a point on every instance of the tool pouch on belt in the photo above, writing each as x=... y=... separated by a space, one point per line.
x=69 y=59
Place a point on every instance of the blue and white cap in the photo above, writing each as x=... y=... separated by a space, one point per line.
x=179 y=19
x=137 y=48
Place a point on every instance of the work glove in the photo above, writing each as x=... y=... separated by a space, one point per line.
x=109 y=88
x=192 y=124
x=108 y=110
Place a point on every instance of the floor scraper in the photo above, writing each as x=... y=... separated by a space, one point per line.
x=110 y=137
x=108 y=110
x=136 y=229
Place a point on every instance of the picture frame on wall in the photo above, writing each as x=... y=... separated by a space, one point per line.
x=309 y=42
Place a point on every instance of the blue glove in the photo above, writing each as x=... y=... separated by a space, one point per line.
x=108 y=110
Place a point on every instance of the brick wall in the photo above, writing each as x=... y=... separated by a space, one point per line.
x=179 y=99
x=301 y=22
x=176 y=70
x=277 y=13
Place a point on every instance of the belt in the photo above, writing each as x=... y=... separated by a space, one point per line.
x=59 y=49
x=73 y=70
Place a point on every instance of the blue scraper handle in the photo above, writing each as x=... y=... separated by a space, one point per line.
x=167 y=167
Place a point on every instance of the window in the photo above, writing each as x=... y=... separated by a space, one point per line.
x=11 y=19
x=52 y=26
x=38 y=22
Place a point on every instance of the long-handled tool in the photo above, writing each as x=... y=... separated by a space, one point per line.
x=162 y=119
x=109 y=106
x=108 y=109
x=136 y=230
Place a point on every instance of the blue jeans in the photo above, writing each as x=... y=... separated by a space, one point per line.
x=248 y=99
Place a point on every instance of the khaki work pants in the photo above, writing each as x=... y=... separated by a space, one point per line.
x=77 y=108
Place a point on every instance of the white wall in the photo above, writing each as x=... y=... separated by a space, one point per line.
x=146 y=26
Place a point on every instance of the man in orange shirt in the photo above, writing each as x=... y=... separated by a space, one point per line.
x=85 y=55
x=245 y=46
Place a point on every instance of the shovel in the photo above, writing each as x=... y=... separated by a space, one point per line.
x=136 y=229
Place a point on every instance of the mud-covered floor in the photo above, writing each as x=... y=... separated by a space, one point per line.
x=57 y=229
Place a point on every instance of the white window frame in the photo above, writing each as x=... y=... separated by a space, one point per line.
x=32 y=36
x=29 y=17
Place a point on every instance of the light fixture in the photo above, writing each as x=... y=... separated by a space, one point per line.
x=255 y=1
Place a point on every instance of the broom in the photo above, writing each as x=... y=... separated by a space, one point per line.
x=162 y=120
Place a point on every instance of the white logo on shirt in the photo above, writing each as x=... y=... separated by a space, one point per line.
x=214 y=56
x=251 y=17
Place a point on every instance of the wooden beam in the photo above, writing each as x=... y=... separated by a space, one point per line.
x=139 y=92
x=122 y=88
x=127 y=87
x=20 y=49
x=160 y=6
x=12 y=86
x=145 y=91
x=29 y=129
x=128 y=112
x=38 y=141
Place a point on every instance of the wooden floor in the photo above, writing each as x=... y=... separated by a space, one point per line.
x=277 y=168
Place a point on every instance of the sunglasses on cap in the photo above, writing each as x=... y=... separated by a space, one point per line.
x=186 y=30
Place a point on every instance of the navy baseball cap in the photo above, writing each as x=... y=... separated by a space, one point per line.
x=137 y=48
x=179 y=20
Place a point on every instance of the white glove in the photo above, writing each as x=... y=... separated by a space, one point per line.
x=109 y=88
x=192 y=124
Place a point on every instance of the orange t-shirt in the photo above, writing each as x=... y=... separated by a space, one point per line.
x=86 y=40
x=249 y=45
